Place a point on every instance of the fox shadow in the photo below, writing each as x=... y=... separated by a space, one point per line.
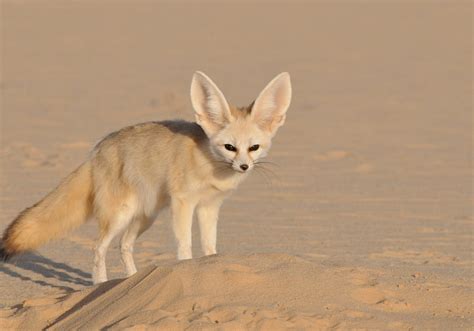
x=47 y=269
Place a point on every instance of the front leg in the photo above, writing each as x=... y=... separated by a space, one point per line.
x=182 y=213
x=207 y=214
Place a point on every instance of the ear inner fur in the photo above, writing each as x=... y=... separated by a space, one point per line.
x=270 y=107
x=211 y=108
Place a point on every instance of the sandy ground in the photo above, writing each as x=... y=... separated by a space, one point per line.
x=364 y=221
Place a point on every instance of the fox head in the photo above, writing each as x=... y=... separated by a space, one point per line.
x=240 y=137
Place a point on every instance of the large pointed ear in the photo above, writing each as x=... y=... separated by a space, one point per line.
x=210 y=106
x=269 y=109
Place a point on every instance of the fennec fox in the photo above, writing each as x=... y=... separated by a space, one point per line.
x=132 y=174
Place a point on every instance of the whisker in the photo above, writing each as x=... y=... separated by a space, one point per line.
x=268 y=174
x=265 y=177
x=270 y=171
x=267 y=162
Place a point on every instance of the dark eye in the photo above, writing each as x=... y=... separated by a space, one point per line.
x=230 y=147
x=254 y=148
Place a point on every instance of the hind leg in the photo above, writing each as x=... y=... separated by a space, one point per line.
x=99 y=272
x=120 y=222
x=136 y=228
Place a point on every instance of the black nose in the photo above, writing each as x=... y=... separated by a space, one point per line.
x=244 y=167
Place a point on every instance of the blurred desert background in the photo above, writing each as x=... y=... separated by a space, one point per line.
x=365 y=219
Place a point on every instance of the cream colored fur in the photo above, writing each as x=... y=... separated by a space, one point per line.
x=134 y=173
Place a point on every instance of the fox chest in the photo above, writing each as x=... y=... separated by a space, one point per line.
x=214 y=189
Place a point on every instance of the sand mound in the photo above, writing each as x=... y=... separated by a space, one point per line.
x=258 y=291
x=271 y=291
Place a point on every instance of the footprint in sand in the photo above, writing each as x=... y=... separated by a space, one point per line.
x=368 y=295
x=76 y=145
x=393 y=304
x=239 y=274
x=380 y=299
x=42 y=301
x=316 y=255
x=371 y=293
x=355 y=314
x=364 y=168
x=363 y=278
x=416 y=257
x=422 y=146
x=333 y=155
x=172 y=102
x=151 y=257
x=430 y=230
x=30 y=156
x=244 y=318
x=85 y=242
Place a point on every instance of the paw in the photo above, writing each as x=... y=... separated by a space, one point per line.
x=185 y=253
x=99 y=279
x=209 y=250
x=131 y=272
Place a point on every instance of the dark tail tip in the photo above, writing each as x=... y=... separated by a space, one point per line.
x=4 y=254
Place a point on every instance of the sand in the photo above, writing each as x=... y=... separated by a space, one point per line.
x=257 y=291
x=364 y=220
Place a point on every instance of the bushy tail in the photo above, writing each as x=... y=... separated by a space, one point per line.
x=65 y=208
